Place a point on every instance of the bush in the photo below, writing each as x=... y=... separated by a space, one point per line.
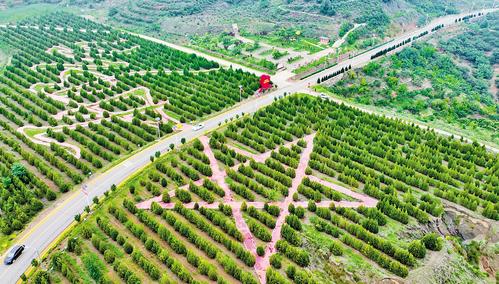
x=260 y=251
x=417 y=249
x=165 y=197
x=51 y=195
x=272 y=209
x=312 y=207
x=128 y=248
x=336 y=248
x=274 y=277
x=259 y=231
x=297 y=255
x=183 y=195
x=370 y=224
x=275 y=261
x=432 y=242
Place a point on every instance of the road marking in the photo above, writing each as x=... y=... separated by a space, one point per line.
x=127 y=164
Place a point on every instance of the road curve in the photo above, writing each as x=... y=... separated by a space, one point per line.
x=53 y=220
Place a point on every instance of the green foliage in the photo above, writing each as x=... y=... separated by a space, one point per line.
x=449 y=82
x=473 y=252
x=406 y=168
x=94 y=265
x=432 y=241
x=417 y=248
x=327 y=8
x=336 y=248
x=260 y=251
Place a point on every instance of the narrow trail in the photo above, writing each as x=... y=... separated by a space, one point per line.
x=260 y=158
x=218 y=175
x=46 y=141
x=263 y=262
x=45 y=230
x=367 y=200
x=249 y=241
x=94 y=108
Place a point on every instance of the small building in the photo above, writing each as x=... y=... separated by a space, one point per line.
x=235 y=29
x=324 y=40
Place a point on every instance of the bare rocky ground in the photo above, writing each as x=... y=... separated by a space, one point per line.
x=447 y=265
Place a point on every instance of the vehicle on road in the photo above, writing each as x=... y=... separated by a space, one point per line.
x=198 y=127
x=323 y=96
x=14 y=253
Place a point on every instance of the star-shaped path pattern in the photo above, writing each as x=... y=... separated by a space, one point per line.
x=219 y=175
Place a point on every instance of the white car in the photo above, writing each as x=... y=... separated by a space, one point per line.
x=323 y=96
x=198 y=127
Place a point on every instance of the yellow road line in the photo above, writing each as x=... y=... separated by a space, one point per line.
x=44 y=219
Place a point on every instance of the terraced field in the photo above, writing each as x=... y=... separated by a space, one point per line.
x=241 y=204
x=78 y=96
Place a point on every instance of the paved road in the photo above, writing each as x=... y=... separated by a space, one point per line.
x=55 y=219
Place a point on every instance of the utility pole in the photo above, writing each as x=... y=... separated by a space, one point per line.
x=240 y=92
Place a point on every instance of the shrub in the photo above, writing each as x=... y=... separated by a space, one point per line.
x=294 y=222
x=432 y=242
x=275 y=261
x=260 y=251
x=128 y=248
x=312 y=207
x=417 y=249
x=297 y=255
x=51 y=195
x=165 y=197
x=336 y=248
x=183 y=195
x=274 y=277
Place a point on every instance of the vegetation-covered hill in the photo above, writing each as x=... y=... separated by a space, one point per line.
x=313 y=17
x=453 y=80
x=76 y=96
x=349 y=195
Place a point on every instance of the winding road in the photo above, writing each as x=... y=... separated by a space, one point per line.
x=58 y=216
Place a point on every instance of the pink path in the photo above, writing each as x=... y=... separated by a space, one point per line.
x=262 y=263
x=260 y=158
x=218 y=175
x=366 y=200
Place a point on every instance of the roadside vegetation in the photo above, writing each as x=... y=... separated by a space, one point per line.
x=87 y=96
x=178 y=220
x=452 y=82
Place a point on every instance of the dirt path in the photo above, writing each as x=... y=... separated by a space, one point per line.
x=367 y=200
x=218 y=175
x=263 y=262
x=41 y=139
x=260 y=158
